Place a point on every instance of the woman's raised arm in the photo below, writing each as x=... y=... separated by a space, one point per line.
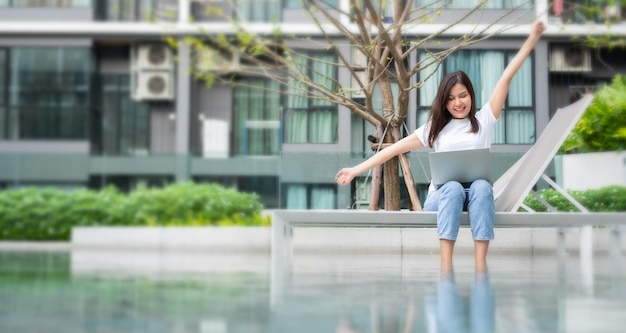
x=502 y=87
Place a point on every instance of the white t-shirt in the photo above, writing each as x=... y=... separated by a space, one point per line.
x=456 y=135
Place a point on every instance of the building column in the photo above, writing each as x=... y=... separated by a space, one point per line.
x=183 y=156
x=183 y=11
x=542 y=87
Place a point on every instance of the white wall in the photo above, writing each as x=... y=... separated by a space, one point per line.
x=594 y=170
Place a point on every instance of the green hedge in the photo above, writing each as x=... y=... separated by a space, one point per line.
x=606 y=199
x=50 y=214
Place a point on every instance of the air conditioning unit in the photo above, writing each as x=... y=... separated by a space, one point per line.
x=570 y=59
x=152 y=56
x=152 y=72
x=153 y=85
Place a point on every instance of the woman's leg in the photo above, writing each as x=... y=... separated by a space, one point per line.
x=448 y=201
x=481 y=210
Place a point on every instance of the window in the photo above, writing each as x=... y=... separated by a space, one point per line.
x=259 y=10
x=470 y=4
x=136 y=10
x=297 y=4
x=125 y=124
x=484 y=67
x=310 y=196
x=3 y=92
x=49 y=90
x=45 y=3
x=128 y=183
x=257 y=117
x=311 y=118
x=384 y=8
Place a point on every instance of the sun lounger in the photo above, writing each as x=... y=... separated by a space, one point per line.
x=509 y=192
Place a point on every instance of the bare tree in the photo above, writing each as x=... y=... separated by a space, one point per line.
x=378 y=32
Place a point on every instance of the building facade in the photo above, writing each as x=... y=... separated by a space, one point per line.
x=91 y=95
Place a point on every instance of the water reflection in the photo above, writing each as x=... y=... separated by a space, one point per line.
x=134 y=291
x=448 y=312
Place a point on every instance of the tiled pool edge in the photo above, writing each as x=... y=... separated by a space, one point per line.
x=321 y=240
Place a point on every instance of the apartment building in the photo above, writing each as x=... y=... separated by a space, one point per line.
x=91 y=96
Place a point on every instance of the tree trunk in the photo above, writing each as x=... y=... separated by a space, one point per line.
x=376 y=176
x=391 y=177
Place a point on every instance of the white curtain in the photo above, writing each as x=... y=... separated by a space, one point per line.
x=255 y=112
x=323 y=198
x=259 y=10
x=520 y=126
x=323 y=127
x=428 y=91
x=521 y=90
x=296 y=197
x=297 y=104
x=498 y=131
x=257 y=101
x=492 y=66
x=323 y=123
x=272 y=107
x=468 y=4
x=312 y=120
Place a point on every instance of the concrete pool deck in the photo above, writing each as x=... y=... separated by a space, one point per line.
x=315 y=240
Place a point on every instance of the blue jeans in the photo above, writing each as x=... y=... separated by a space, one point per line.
x=451 y=199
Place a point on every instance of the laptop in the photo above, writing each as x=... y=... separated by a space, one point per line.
x=464 y=166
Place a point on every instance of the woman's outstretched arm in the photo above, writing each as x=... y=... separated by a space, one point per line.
x=502 y=87
x=411 y=142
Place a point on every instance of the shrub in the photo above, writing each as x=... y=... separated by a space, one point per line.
x=603 y=125
x=606 y=199
x=49 y=214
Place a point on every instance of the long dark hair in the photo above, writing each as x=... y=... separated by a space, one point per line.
x=439 y=115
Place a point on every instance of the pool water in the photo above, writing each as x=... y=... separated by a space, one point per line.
x=135 y=291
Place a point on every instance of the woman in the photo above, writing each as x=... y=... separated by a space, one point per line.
x=454 y=124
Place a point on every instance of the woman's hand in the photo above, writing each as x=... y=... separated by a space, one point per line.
x=345 y=176
x=537 y=29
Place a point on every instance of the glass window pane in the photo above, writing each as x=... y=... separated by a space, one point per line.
x=520 y=126
x=323 y=72
x=521 y=90
x=322 y=126
x=49 y=87
x=422 y=117
x=297 y=4
x=3 y=123
x=296 y=196
x=498 y=131
x=469 y=4
x=323 y=197
x=433 y=76
x=259 y=10
x=257 y=117
x=312 y=120
x=492 y=66
x=125 y=123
